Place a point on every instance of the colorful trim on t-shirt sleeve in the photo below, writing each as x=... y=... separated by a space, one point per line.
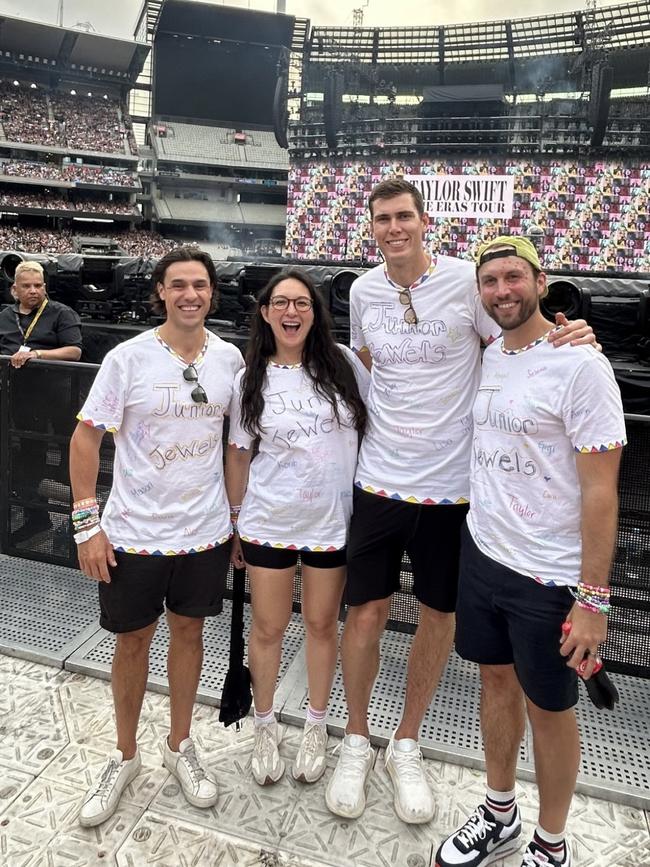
x=428 y=501
x=603 y=447
x=97 y=425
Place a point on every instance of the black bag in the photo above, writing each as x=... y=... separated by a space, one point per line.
x=236 y=696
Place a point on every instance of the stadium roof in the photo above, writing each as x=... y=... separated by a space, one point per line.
x=70 y=52
x=461 y=52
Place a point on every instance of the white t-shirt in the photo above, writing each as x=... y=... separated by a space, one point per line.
x=534 y=411
x=300 y=483
x=423 y=384
x=168 y=494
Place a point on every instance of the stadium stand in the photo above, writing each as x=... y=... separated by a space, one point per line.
x=136 y=242
x=214 y=145
x=70 y=174
x=33 y=115
x=52 y=202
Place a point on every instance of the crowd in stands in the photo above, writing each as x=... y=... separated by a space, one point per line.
x=137 y=242
x=592 y=214
x=54 y=202
x=101 y=175
x=78 y=122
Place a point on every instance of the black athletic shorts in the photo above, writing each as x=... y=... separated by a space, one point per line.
x=505 y=618
x=383 y=529
x=191 y=585
x=267 y=557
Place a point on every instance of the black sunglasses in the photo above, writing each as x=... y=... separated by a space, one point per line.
x=198 y=394
x=410 y=316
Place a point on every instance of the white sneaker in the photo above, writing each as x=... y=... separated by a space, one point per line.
x=266 y=764
x=103 y=797
x=413 y=797
x=345 y=795
x=310 y=761
x=199 y=786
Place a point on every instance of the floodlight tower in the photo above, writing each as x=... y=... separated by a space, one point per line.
x=357 y=14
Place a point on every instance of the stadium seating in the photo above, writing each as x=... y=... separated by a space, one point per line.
x=216 y=145
x=76 y=122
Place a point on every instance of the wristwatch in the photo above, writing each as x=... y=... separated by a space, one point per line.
x=37 y=353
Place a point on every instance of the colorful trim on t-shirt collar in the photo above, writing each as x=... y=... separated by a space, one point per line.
x=295 y=366
x=199 y=357
x=521 y=349
x=415 y=283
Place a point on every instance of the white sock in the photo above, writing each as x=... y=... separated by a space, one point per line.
x=265 y=718
x=405 y=745
x=315 y=717
x=501 y=804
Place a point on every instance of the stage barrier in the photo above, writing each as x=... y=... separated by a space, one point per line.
x=38 y=404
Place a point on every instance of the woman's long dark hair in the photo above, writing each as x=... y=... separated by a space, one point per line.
x=323 y=361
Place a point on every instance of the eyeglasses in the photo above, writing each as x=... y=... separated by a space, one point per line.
x=302 y=304
x=198 y=394
x=410 y=316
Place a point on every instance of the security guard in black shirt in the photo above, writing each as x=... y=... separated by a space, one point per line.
x=36 y=328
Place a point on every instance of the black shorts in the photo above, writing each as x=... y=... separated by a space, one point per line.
x=191 y=585
x=505 y=618
x=383 y=529
x=267 y=557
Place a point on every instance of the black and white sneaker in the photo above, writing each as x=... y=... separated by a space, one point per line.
x=535 y=856
x=480 y=841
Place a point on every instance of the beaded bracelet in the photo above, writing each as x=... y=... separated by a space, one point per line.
x=595 y=599
x=84 y=515
x=90 y=509
x=83 y=520
x=595 y=588
x=234 y=515
x=80 y=504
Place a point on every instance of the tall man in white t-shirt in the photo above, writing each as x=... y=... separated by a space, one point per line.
x=417 y=323
x=536 y=554
x=163 y=544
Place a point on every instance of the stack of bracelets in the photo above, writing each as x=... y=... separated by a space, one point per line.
x=85 y=519
x=593 y=597
x=234 y=515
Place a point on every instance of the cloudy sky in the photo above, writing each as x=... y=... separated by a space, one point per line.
x=117 y=17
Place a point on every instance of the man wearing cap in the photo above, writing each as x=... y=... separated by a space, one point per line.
x=535 y=554
x=417 y=324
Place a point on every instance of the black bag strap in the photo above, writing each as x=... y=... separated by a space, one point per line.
x=237 y=619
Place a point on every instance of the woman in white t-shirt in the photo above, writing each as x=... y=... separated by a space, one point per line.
x=300 y=398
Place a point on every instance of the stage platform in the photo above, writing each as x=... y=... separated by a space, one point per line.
x=56 y=722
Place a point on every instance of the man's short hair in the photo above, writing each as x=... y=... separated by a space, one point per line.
x=396 y=187
x=181 y=254
x=29 y=265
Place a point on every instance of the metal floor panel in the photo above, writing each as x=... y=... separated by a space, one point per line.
x=94 y=657
x=616 y=745
x=47 y=611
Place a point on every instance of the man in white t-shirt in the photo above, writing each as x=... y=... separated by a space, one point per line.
x=163 y=544
x=536 y=552
x=417 y=323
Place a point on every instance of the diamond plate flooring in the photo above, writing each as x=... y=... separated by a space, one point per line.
x=57 y=726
